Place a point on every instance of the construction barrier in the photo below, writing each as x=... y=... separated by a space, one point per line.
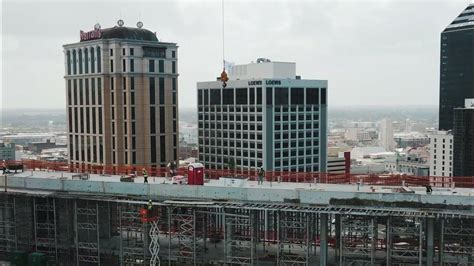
x=251 y=174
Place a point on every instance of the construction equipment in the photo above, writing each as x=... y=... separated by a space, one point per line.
x=223 y=77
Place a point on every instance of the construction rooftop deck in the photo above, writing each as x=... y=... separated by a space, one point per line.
x=162 y=187
x=99 y=221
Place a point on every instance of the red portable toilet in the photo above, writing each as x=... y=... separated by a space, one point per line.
x=196 y=174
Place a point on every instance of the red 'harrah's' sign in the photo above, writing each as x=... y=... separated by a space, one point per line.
x=91 y=35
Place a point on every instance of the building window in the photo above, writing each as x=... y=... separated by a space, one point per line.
x=111 y=52
x=86 y=61
x=74 y=62
x=161 y=66
x=132 y=65
x=151 y=66
x=227 y=95
x=297 y=96
x=131 y=51
x=153 y=149
x=281 y=96
x=69 y=92
x=269 y=96
x=259 y=95
x=173 y=54
x=68 y=60
x=92 y=60
x=152 y=90
x=152 y=120
x=80 y=61
x=99 y=62
x=161 y=88
x=241 y=96
x=111 y=65
x=162 y=120
x=124 y=66
x=123 y=51
x=162 y=149
x=99 y=91
x=173 y=67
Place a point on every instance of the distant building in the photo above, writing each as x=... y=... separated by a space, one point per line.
x=412 y=165
x=339 y=165
x=122 y=102
x=7 y=151
x=38 y=147
x=457 y=66
x=357 y=135
x=265 y=117
x=414 y=139
x=464 y=140
x=441 y=154
x=386 y=135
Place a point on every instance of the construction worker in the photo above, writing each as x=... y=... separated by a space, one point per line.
x=261 y=174
x=150 y=205
x=145 y=176
x=4 y=167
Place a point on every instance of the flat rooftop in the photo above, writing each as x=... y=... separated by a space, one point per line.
x=254 y=184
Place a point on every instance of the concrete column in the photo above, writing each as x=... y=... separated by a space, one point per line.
x=323 y=239
x=429 y=241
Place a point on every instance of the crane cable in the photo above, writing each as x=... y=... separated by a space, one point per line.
x=224 y=78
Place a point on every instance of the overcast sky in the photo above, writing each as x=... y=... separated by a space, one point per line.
x=371 y=52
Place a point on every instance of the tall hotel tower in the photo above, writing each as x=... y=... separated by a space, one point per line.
x=122 y=102
x=266 y=117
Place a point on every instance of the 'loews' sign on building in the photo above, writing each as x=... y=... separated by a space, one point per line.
x=91 y=35
x=267 y=82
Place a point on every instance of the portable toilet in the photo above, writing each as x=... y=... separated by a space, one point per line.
x=196 y=174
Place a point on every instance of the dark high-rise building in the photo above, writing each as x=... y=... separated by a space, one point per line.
x=457 y=66
x=464 y=140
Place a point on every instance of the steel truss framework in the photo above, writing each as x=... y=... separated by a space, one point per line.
x=87 y=232
x=8 y=241
x=187 y=233
x=45 y=226
x=133 y=235
x=358 y=239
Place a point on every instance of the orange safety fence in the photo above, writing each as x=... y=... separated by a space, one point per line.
x=252 y=174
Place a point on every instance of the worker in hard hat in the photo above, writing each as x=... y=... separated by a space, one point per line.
x=145 y=176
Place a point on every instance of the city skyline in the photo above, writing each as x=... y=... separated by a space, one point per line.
x=405 y=54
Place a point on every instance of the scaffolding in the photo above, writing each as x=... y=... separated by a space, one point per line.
x=87 y=232
x=239 y=238
x=294 y=238
x=457 y=242
x=8 y=239
x=133 y=235
x=358 y=239
x=405 y=240
x=45 y=226
x=184 y=232
x=104 y=230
